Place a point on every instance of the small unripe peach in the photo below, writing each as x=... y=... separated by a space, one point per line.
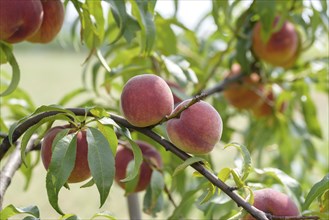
x=273 y=202
x=146 y=100
x=198 y=128
x=81 y=169
x=124 y=155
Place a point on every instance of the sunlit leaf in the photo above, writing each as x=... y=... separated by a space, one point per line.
x=11 y=210
x=187 y=163
x=318 y=189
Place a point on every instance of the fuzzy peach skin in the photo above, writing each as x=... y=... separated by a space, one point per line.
x=146 y=99
x=52 y=22
x=198 y=128
x=19 y=19
x=244 y=94
x=273 y=202
x=81 y=169
x=124 y=155
x=280 y=48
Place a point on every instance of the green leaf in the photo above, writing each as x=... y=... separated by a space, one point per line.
x=99 y=112
x=266 y=11
x=187 y=163
x=224 y=174
x=131 y=185
x=141 y=9
x=7 y=49
x=109 y=133
x=246 y=158
x=104 y=215
x=101 y=162
x=61 y=165
x=237 y=179
x=317 y=190
x=11 y=210
x=153 y=200
x=53 y=108
x=138 y=159
x=185 y=205
x=90 y=183
x=211 y=190
x=69 y=217
x=309 y=113
x=31 y=130
x=127 y=24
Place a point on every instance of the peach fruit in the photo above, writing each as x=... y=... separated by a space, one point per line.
x=197 y=129
x=273 y=202
x=124 y=155
x=146 y=99
x=266 y=107
x=244 y=94
x=81 y=169
x=281 y=47
x=19 y=19
x=52 y=22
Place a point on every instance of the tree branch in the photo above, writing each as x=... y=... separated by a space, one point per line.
x=13 y=164
x=148 y=132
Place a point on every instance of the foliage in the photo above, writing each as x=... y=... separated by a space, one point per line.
x=127 y=38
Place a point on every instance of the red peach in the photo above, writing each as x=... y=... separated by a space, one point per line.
x=198 y=128
x=19 y=19
x=273 y=202
x=124 y=155
x=146 y=99
x=52 y=22
x=81 y=169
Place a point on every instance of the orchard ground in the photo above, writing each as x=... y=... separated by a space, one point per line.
x=63 y=69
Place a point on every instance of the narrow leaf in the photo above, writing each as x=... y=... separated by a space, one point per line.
x=187 y=163
x=11 y=210
x=317 y=190
x=104 y=215
x=29 y=132
x=138 y=159
x=101 y=162
x=61 y=165
x=15 y=68
x=246 y=159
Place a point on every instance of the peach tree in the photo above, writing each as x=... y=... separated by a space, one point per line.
x=161 y=99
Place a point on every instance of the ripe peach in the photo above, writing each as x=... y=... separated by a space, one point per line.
x=146 y=100
x=19 y=19
x=52 y=21
x=273 y=202
x=124 y=155
x=81 y=169
x=266 y=107
x=280 y=48
x=245 y=94
x=198 y=128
